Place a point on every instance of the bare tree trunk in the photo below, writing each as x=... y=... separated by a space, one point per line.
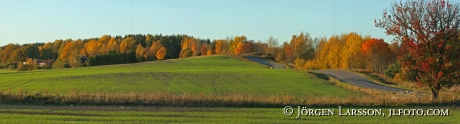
x=435 y=90
x=434 y=94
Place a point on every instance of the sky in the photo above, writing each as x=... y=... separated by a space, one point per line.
x=31 y=21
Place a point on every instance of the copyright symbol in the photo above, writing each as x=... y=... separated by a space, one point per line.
x=288 y=111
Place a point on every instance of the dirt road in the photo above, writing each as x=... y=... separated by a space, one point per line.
x=356 y=79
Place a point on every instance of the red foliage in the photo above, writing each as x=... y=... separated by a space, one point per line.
x=428 y=46
x=248 y=47
x=203 y=50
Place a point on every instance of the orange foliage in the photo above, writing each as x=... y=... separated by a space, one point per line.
x=377 y=54
x=65 y=52
x=219 y=46
x=238 y=48
x=203 y=50
x=161 y=53
x=248 y=47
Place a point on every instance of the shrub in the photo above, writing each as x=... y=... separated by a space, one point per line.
x=299 y=63
x=12 y=67
x=400 y=74
x=31 y=64
x=393 y=69
x=310 y=65
x=58 y=64
x=279 y=57
x=186 y=53
x=22 y=67
x=47 y=66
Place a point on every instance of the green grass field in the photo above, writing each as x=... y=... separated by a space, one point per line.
x=118 y=114
x=207 y=75
x=214 y=76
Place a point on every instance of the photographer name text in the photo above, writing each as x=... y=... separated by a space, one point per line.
x=300 y=111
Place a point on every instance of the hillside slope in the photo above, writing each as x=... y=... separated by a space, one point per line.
x=208 y=75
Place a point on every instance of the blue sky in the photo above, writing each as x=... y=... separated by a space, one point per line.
x=30 y=21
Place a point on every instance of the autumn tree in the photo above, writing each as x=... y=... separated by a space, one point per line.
x=17 y=55
x=31 y=51
x=398 y=72
x=140 y=52
x=32 y=64
x=113 y=45
x=378 y=55
x=332 y=52
x=248 y=47
x=260 y=48
x=203 y=50
x=272 y=44
x=91 y=48
x=320 y=55
x=219 y=48
x=46 y=51
x=431 y=28
x=151 y=54
x=1 y=62
x=186 y=53
x=128 y=45
x=350 y=55
x=237 y=43
x=303 y=46
x=6 y=53
x=161 y=53
x=288 y=53
x=195 y=47
x=75 y=53
x=22 y=67
x=186 y=42
x=64 y=52
x=209 y=52
x=105 y=39
x=186 y=46
x=57 y=45
x=238 y=48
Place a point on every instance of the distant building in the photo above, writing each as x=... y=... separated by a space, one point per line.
x=83 y=59
x=43 y=63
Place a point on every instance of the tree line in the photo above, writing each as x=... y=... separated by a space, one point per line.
x=348 y=51
x=427 y=48
x=131 y=48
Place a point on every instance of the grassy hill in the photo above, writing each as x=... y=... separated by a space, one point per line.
x=217 y=75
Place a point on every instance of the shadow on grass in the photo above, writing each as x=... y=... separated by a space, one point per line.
x=60 y=101
x=377 y=78
x=13 y=72
x=321 y=76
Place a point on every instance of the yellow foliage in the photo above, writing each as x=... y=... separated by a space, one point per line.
x=140 y=51
x=128 y=45
x=310 y=65
x=65 y=52
x=219 y=46
x=335 y=48
x=161 y=53
x=237 y=43
x=186 y=42
x=350 y=55
x=209 y=52
x=91 y=48
x=238 y=48
x=113 y=45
